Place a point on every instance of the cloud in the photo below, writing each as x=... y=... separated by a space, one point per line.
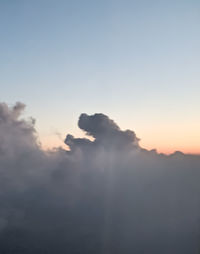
x=108 y=195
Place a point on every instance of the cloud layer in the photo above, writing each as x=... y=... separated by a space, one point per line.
x=103 y=196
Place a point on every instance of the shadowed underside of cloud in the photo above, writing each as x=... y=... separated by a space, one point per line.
x=103 y=196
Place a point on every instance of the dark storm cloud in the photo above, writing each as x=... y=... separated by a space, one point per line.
x=106 y=131
x=103 y=196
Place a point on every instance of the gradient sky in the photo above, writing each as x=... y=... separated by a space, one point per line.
x=136 y=61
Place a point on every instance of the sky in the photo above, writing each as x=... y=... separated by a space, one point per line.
x=136 y=61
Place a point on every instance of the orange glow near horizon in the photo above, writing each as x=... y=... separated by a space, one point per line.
x=162 y=145
x=170 y=150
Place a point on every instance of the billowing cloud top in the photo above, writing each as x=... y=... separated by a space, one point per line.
x=105 y=132
x=103 y=196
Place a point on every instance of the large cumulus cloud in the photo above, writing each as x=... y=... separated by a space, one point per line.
x=107 y=195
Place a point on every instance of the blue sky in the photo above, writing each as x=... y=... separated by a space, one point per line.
x=137 y=61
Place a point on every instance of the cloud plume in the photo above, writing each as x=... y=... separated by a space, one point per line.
x=105 y=196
